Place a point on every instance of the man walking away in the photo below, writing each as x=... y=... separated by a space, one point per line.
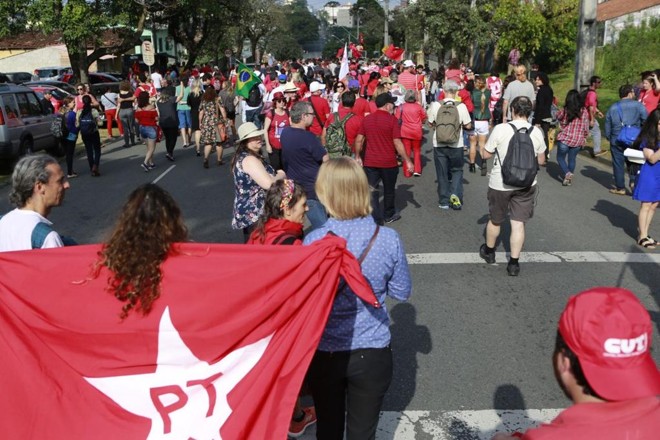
x=591 y=103
x=504 y=199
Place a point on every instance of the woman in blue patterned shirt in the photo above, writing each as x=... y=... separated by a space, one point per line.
x=352 y=367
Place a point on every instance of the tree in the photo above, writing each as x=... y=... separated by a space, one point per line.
x=82 y=25
x=372 y=23
x=303 y=26
x=519 y=25
x=558 y=44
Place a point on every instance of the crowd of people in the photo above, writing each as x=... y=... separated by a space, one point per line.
x=316 y=147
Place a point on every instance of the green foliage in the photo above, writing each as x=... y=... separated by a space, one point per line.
x=559 y=41
x=372 y=24
x=519 y=25
x=636 y=50
x=300 y=23
x=285 y=47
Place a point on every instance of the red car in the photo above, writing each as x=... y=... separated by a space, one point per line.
x=58 y=94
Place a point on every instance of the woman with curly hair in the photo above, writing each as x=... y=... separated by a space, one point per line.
x=283 y=216
x=148 y=226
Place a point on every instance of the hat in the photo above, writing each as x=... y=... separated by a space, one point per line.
x=290 y=87
x=316 y=86
x=248 y=130
x=408 y=63
x=609 y=331
x=353 y=84
x=281 y=78
x=384 y=99
x=278 y=95
x=386 y=80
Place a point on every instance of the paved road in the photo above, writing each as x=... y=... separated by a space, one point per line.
x=472 y=340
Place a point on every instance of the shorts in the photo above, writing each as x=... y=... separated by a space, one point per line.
x=519 y=204
x=481 y=128
x=470 y=132
x=148 y=132
x=184 y=119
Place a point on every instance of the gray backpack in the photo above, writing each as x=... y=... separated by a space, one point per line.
x=447 y=124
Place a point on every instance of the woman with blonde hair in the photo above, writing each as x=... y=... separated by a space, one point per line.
x=149 y=225
x=352 y=367
x=194 y=101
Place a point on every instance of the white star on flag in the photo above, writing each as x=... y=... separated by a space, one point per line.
x=185 y=397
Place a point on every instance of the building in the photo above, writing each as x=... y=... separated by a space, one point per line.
x=615 y=15
x=339 y=15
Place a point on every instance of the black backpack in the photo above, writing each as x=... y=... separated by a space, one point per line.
x=87 y=123
x=254 y=96
x=520 y=164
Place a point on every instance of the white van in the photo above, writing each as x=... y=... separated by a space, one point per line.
x=24 y=125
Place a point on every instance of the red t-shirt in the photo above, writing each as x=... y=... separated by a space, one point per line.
x=412 y=120
x=650 y=99
x=144 y=88
x=466 y=98
x=322 y=108
x=372 y=107
x=632 y=419
x=146 y=118
x=591 y=100
x=277 y=124
x=361 y=107
x=352 y=125
x=380 y=129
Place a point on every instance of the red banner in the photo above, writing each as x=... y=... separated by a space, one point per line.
x=222 y=353
x=394 y=53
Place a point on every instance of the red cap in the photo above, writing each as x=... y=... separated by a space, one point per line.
x=278 y=95
x=609 y=331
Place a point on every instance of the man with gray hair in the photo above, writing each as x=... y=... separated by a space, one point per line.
x=38 y=185
x=302 y=156
x=447 y=119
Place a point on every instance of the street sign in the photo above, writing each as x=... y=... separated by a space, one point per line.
x=148 y=54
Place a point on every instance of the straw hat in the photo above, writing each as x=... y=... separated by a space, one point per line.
x=248 y=130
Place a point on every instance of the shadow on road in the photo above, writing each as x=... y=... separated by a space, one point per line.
x=648 y=275
x=619 y=216
x=597 y=175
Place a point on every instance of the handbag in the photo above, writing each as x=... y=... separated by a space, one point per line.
x=628 y=133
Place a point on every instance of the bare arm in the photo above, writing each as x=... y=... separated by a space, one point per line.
x=541 y=158
x=323 y=134
x=505 y=107
x=255 y=169
x=359 y=143
x=267 y=123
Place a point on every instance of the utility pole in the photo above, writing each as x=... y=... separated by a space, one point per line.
x=386 y=34
x=586 y=44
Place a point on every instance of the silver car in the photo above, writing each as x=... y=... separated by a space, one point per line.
x=24 y=124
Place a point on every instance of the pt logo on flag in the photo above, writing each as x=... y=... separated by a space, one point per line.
x=185 y=397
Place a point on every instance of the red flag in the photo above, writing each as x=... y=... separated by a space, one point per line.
x=394 y=53
x=340 y=52
x=222 y=353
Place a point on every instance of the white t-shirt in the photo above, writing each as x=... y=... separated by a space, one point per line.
x=463 y=115
x=109 y=100
x=16 y=231
x=156 y=78
x=499 y=140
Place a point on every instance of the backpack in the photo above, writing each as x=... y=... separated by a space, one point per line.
x=447 y=124
x=255 y=97
x=87 y=124
x=57 y=127
x=497 y=111
x=335 y=137
x=520 y=164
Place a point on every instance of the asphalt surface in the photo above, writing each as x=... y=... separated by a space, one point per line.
x=471 y=338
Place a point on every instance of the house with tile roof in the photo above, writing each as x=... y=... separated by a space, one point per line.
x=615 y=15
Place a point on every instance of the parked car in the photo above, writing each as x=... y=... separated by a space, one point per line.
x=94 y=78
x=21 y=77
x=52 y=72
x=24 y=126
x=59 y=84
x=4 y=78
x=58 y=94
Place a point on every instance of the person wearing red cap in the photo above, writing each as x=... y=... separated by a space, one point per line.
x=603 y=363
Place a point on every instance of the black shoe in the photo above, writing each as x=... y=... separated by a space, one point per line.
x=126 y=146
x=489 y=257
x=513 y=269
x=472 y=168
x=169 y=157
x=392 y=219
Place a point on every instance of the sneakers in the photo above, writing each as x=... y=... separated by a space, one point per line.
x=71 y=176
x=417 y=174
x=145 y=167
x=297 y=429
x=472 y=168
x=513 y=269
x=618 y=192
x=455 y=202
x=489 y=257
x=443 y=206
x=392 y=219
x=567 y=179
x=169 y=157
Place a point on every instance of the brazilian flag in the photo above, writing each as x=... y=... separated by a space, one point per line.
x=245 y=79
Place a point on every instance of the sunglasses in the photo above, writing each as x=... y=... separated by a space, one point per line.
x=340 y=87
x=80 y=88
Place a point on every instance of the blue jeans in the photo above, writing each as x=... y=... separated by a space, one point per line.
x=184 y=119
x=448 y=162
x=618 y=164
x=564 y=150
x=254 y=116
x=388 y=176
x=595 y=134
x=148 y=132
x=316 y=213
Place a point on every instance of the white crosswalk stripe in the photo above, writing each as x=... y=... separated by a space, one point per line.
x=536 y=257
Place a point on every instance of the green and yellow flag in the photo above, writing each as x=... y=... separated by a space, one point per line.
x=245 y=79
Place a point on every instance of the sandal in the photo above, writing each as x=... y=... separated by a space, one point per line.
x=655 y=242
x=647 y=243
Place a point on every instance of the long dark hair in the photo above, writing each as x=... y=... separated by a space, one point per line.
x=573 y=105
x=649 y=137
x=242 y=148
x=282 y=193
x=87 y=105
